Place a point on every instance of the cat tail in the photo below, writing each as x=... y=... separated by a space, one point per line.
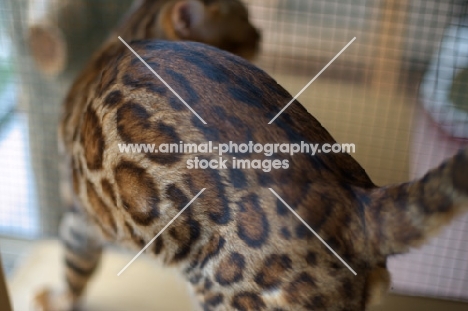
x=407 y=215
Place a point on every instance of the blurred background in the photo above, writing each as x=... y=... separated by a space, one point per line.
x=399 y=93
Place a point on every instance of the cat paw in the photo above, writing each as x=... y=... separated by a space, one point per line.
x=48 y=300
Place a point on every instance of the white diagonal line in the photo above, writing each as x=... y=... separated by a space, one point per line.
x=312 y=230
x=310 y=82
x=162 y=80
x=160 y=232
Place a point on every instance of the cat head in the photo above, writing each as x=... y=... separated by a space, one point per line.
x=221 y=23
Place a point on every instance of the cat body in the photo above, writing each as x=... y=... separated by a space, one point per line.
x=237 y=244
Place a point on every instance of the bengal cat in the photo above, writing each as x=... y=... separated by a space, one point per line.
x=221 y=23
x=237 y=244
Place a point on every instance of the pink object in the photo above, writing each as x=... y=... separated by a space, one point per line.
x=439 y=268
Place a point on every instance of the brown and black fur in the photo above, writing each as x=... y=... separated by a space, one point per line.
x=222 y=23
x=237 y=245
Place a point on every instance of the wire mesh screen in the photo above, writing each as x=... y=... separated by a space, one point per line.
x=18 y=214
x=370 y=96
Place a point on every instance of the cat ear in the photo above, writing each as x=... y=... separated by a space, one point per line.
x=187 y=15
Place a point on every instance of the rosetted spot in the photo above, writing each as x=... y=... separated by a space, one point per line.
x=101 y=210
x=248 y=301
x=214 y=199
x=133 y=122
x=248 y=95
x=211 y=249
x=252 y=223
x=241 y=131
x=158 y=245
x=264 y=179
x=131 y=81
x=272 y=271
x=113 y=98
x=322 y=211
x=140 y=197
x=335 y=266
x=134 y=126
x=230 y=269
x=176 y=195
x=163 y=133
x=189 y=182
x=236 y=127
x=237 y=178
x=184 y=232
x=212 y=71
x=108 y=190
x=208 y=284
x=92 y=139
x=209 y=132
x=281 y=209
x=176 y=103
x=284 y=232
x=184 y=87
x=144 y=80
x=311 y=258
x=302 y=232
x=214 y=300
x=301 y=285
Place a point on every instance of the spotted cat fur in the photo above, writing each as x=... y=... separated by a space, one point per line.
x=237 y=245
